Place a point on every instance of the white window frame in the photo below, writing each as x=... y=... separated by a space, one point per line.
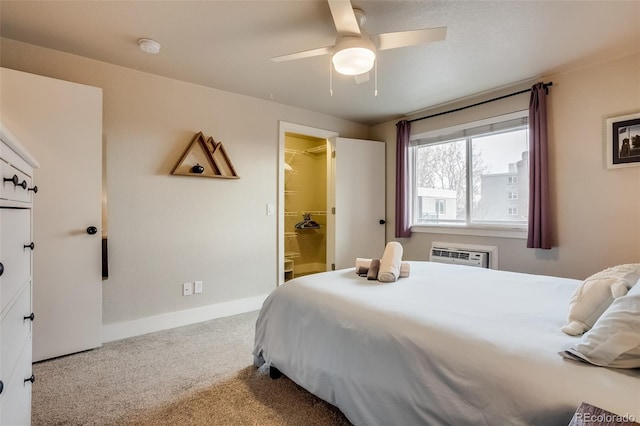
x=504 y=231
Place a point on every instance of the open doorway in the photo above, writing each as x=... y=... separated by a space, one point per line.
x=305 y=205
x=305 y=230
x=354 y=212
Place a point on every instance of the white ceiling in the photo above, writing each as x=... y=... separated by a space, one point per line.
x=227 y=45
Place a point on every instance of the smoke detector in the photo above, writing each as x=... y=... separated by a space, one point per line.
x=149 y=46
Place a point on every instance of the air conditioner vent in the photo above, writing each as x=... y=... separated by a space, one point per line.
x=460 y=256
x=450 y=254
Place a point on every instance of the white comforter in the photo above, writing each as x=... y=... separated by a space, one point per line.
x=450 y=345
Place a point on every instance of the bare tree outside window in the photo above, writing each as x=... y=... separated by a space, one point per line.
x=444 y=166
x=491 y=190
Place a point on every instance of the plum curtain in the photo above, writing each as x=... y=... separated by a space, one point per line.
x=539 y=234
x=403 y=213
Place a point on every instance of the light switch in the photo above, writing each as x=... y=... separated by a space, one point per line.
x=271 y=209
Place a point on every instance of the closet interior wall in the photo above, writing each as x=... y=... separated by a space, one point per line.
x=305 y=193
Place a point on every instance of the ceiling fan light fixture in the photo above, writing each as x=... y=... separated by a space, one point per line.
x=353 y=56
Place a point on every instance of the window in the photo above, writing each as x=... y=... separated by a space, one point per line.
x=475 y=175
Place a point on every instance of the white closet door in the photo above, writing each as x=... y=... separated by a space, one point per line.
x=359 y=185
x=61 y=125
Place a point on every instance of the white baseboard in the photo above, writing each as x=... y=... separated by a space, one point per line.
x=122 y=330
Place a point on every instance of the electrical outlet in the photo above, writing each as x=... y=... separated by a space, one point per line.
x=197 y=289
x=186 y=289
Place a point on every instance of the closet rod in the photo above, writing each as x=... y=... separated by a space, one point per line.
x=546 y=86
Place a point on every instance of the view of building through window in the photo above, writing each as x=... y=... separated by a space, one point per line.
x=481 y=179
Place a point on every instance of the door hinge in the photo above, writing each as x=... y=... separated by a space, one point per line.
x=333 y=154
x=333 y=266
x=333 y=210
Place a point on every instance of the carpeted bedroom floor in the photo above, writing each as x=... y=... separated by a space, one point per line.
x=200 y=374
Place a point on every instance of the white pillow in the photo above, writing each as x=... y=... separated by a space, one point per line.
x=595 y=295
x=614 y=340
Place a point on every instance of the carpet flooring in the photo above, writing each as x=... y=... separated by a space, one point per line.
x=201 y=374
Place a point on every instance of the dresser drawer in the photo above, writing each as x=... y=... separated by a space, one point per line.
x=15 y=400
x=16 y=188
x=14 y=256
x=15 y=331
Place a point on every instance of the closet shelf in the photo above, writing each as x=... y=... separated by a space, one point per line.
x=316 y=212
x=289 y=155
x=316 y=150
x=290 y=192
x=290 y=234
x=291 y=254
x=291 y=213
x=313 y=151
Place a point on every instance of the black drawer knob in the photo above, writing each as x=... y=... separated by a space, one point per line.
x=92 y=230
x=30 y=246
x=1 y=386
x=23 y=184
x=30 y=379
x=14 y=180
x=1 y=269
x=382 y=221
x=30 y=317
x=34 y=189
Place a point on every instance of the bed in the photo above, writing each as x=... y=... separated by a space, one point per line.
x=450 y=344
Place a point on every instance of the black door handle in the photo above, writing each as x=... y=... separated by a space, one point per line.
x=30 y=246
x=1 y=386
x=1 y=269
x=92 y=230
x=382 y=222
x=30 y=317
x=30 y=379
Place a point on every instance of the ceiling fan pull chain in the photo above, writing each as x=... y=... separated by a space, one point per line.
x=375 y=78
x=330 y=77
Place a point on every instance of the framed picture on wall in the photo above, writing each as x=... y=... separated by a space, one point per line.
x=623 y=141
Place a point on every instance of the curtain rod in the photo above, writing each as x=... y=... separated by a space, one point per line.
x=545 y=85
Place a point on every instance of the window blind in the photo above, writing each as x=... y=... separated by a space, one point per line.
x=454 y=133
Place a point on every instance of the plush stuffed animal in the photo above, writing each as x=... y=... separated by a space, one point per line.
x=596 y=293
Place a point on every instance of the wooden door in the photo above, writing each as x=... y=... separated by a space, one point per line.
x=359 y=198
x=60 y=123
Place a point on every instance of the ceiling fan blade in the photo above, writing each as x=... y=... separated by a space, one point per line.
x=304 y=54
x=362 y=78
x=343 y=17
x=410 y=38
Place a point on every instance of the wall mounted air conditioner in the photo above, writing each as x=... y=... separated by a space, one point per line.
x=460 y=256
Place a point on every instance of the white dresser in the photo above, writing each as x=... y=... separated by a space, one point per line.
x=16 y=248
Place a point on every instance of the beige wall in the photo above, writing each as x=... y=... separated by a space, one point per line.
x=165 y=230
x=596 y=210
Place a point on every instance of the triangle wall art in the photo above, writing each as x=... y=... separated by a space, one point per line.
x=205 y=158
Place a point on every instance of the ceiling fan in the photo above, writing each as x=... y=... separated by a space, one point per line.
x=354 y=52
